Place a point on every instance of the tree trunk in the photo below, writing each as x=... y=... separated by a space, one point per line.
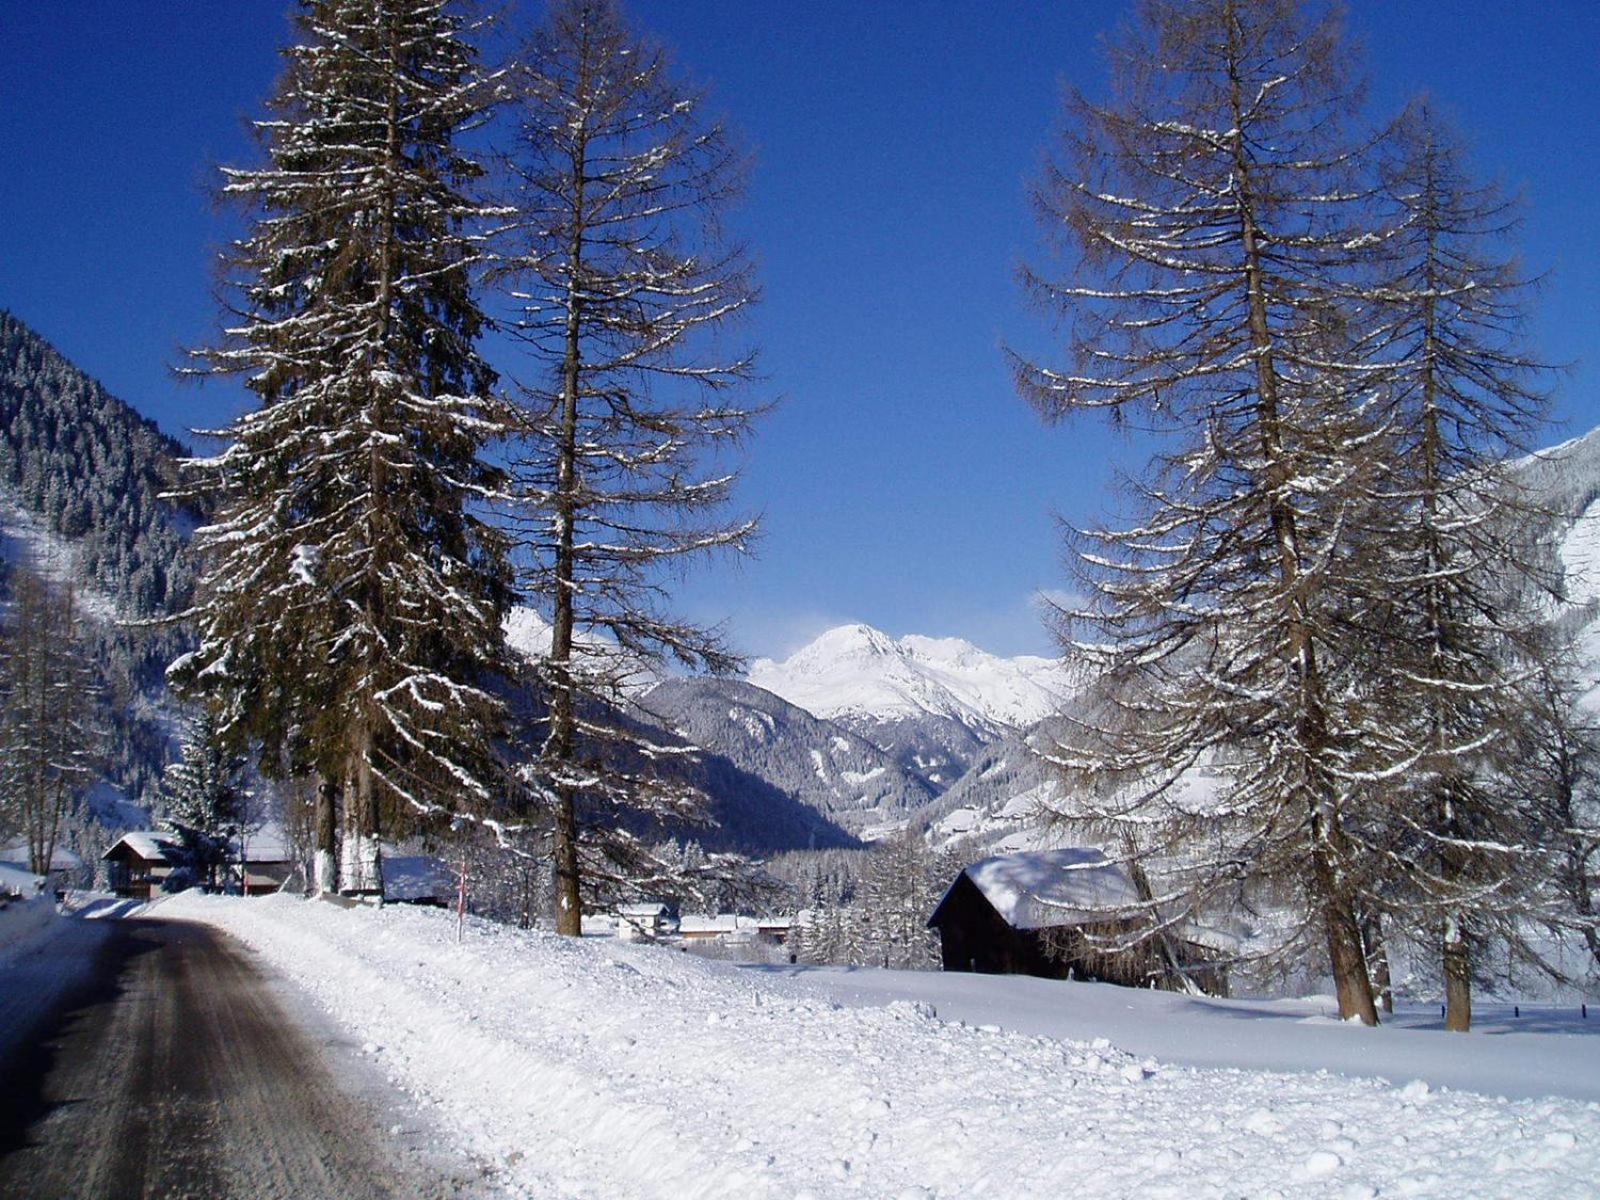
x=1351 y=983
x=1378 y=959
x=360 y=869
x=563 y=740
x=325 y=835
x=1457 y=955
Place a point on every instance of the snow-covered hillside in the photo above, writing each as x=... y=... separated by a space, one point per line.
x=599 y=1069
x=858 y=671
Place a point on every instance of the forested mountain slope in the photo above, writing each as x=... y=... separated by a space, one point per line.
x=93 y=470
x=81 y=482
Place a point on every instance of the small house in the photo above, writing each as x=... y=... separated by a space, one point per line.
x=65 y=866
x=774 y=930
x=140 y=862
x=1050 y=913
x=718 y=927
x=640 y=922
x=262 y=862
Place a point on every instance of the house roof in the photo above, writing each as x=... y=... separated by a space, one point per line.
x=61 y=859
x=644 y=909
x=150 y=845
x=1042 y=888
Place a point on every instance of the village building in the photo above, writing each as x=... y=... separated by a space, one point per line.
x=716 y=927
x=642 y=922
x=262 y=862
x=142 y=862
x=65 y=866
x=1059 y=914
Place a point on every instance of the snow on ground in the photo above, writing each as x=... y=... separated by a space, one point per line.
x=1546 y=1050
x=596 y=1069
x=23 y=922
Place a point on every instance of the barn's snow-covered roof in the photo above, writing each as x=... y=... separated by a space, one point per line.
x=150 y=845
x=1041 y=888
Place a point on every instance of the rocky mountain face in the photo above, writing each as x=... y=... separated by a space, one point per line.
x=820 y=763
x=878 y=733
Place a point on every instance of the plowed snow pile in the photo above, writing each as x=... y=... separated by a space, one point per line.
x=613 y=1071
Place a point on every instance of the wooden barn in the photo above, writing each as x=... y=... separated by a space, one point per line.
x=1040 y=913
x=140 y=862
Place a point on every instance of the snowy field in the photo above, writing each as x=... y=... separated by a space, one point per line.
x=596 y=1069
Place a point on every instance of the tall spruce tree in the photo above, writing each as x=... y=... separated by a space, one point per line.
x=352 y=598
x=1458 y=632
x=1219 y=231
x=623 y=285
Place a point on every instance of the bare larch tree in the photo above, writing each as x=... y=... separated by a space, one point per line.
x=1219 y=239
x=623 y=285
x=1458 y=631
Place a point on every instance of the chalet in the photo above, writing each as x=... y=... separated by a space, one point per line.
x=1046 y=913
x=140 y=862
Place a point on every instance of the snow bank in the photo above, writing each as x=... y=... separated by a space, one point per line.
x=616 y=1071
x=25 y=923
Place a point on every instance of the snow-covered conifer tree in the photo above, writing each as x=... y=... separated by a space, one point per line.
x=623 y=286
x=202 y=795
x=352 y=600
x=1219 y=235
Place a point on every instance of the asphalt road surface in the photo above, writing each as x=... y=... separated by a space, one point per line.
x=147 y=1058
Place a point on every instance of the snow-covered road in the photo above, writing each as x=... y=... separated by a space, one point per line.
x=151 y=1058
x=602 y=1070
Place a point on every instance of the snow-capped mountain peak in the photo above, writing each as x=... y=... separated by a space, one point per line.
x=859 y=671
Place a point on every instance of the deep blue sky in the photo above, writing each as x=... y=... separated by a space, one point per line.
x=902 y=482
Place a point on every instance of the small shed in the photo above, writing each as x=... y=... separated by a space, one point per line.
x=141 y=861
x=1043 y=913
